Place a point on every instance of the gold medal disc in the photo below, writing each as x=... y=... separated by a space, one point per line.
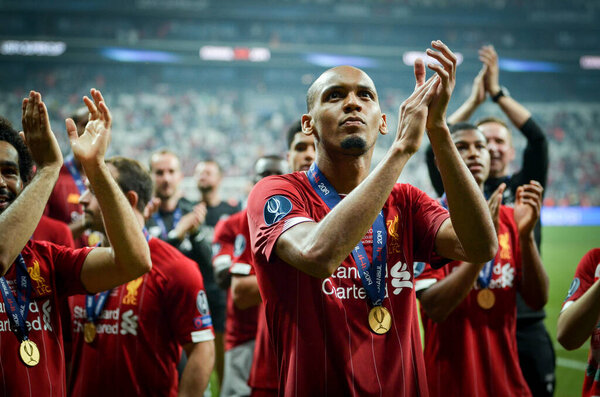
x=380 y=320
x=29 y=353
x=486 y=299
x=89 y=332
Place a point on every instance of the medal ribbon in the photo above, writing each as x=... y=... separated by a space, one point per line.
x=94 y=304
x=485 y=274
x=163 y=228
x=17 y=317
x=70 y=164
x=371 y=275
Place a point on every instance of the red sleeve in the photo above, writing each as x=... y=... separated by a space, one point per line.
x=507 y=219
x=67 y=266
x=275 y=204
x=428 y=216
x=223 y=238
x=241 y=264
x=586 y=274
x=189 y=313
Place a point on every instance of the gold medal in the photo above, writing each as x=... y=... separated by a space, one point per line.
x=486 y=299
x=89 y=332
x=94 y=238
x=29 y=353
x=380 y=320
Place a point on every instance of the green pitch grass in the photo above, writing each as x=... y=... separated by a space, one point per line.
x=562 y=248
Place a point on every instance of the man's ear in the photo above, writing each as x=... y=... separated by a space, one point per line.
x=133 y=198
x=383 y=124
x=308 y=127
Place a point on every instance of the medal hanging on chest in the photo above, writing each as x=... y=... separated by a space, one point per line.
x=17 y=309
x=372 y=274
x=485 y=297
x=93 y=307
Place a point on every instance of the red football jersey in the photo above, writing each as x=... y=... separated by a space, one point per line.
x=55 y=273
x=141 y=330
x=241 y=324
x=263 y=374
x=474 y=351
x=587 y=273
x=55 y=231
x=319 y=328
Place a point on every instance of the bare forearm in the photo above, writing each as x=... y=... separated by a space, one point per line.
x=578 y=321
x=464 y=112
x=534 y=282
x=244 y=291
x=198 y=368
x=469 y=211
x=441 y=298
x=19 y=220
x=320 y=248
x=515 y=112
x=122 y=227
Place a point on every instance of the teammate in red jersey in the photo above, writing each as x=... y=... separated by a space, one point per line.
x=263 y=375
x=133 y=333
x=469 y=310
x=36 y=275
x=579 y=318
x=339 y=328
x=232 y=239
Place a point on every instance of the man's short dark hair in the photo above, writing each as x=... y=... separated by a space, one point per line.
x=454 y=128
x=133 y=177
x=292 y=131
x=215 y=162
x=10 y=135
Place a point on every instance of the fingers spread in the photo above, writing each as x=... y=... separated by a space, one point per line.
x=91 y=107
x=71 y=129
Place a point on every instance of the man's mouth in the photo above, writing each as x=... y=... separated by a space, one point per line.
x=352 y=120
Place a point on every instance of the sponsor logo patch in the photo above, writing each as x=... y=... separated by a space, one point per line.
x=573 y=288
x=240 y=245
x=202 y=303
x=216 y=247
x=276 y=208
x=202 y=321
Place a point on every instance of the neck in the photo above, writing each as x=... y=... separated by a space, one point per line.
x=345 y=172
x=170 y=204
x=210 y=197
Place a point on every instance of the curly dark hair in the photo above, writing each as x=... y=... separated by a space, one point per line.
x=10 y=135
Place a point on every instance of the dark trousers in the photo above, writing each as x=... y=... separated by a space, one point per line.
x=536 y=356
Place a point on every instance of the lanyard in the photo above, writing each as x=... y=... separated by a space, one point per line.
x=163 y=228
x=70 y=164
x=94 y=304
x=485 y=274
x=18 y=316
x=371 y=274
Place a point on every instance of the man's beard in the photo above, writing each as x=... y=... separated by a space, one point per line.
x=354 y=142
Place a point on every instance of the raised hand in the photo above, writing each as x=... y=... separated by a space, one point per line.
x=90 y=147
x=494 y=203
x=488 y=55
x=446 y=70
x=38 y=134
x=151 y=207
x=413 y=112
x=528 y=203
x=478 y=92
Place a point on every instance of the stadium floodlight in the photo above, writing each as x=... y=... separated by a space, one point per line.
x=33 y=48
x=409 y=58
x=589 y=62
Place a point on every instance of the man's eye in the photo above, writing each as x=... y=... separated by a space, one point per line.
x=334 y=95
x=367 y=94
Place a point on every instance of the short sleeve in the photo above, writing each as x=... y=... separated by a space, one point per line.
x=188 y=310
x=241 y=264
x=274 y=206
x=223 y=244
x=68 y=264
x=585 y=276
x=428 y=216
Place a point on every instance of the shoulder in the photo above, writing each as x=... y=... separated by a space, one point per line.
x=164 y=255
